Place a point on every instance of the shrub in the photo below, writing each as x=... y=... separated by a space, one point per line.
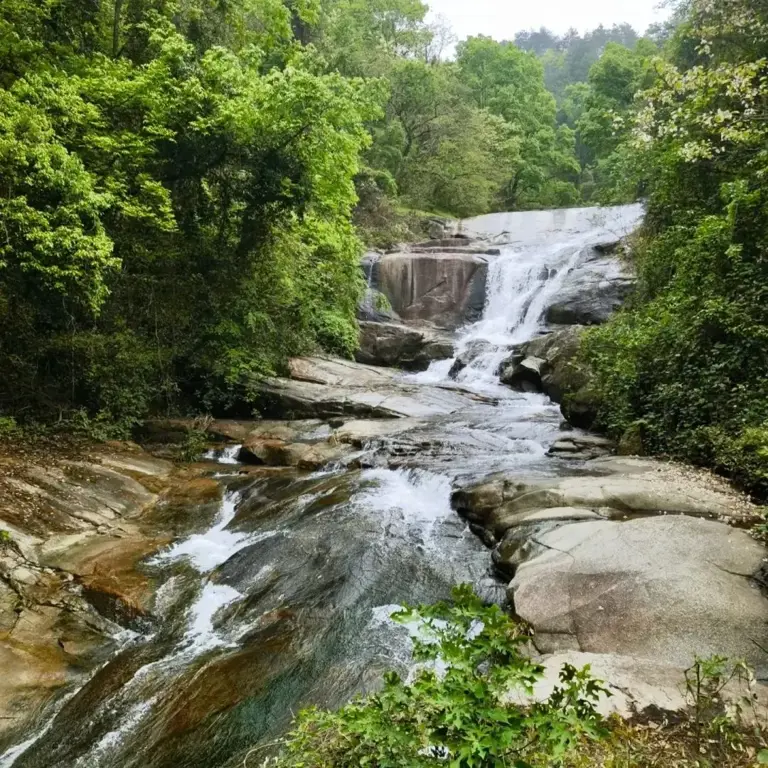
x=458 y=705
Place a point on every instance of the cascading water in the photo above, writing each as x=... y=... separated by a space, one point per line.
x=282 y=599
x=522 y=282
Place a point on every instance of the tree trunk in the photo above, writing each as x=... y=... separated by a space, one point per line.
x=116 y=28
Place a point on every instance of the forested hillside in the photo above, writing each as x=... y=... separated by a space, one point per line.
x=685 y=371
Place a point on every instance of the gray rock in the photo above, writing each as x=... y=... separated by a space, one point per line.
x=594 y=290
x=620 y=485
x=581 y=446
x=375 y=308
x=635 y=686
x=561 y=377
x=395 y=345
x=524 y=375
x=328 y=388
x=468 y=356
x=662 y=588
x=360 y=433
x=446 y=289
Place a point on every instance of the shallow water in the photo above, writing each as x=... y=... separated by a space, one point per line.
x=284 y=600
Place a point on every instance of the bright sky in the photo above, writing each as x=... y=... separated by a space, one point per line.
x=502 y=18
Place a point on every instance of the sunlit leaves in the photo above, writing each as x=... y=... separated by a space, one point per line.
x=458 y=707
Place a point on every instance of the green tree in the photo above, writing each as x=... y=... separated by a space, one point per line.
x=687 y=367
x=510 y=83
x=178 y=202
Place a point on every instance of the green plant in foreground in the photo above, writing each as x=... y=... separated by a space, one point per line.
x=457 y=709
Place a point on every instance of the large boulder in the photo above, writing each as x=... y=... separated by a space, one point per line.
x=549 y=364
x=375 y=308
x=634 y=561
x=594 y=290
x=446 y=289
x=613 y=487
x=279 y=453
x=524 y=374
x=394 y=345
x=660 y=588
x=581 y=446
x=556 y=365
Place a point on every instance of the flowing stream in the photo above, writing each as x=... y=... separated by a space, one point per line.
x=282 y=599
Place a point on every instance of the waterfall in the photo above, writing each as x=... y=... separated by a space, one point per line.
x=523 y=281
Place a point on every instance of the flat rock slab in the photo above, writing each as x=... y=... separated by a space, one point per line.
x=327 y=388
x=603 y=574
x=665 y=589
x=613 y=486
x=69 y=566
x=360 y=433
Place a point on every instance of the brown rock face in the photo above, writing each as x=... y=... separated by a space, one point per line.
x=447 y=289
x=68 y=565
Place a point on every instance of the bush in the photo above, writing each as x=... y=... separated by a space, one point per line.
x=458 y=705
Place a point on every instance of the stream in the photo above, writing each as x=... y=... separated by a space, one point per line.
x=282 y=598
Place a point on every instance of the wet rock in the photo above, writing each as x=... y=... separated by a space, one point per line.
x=582 y=447
x=277 y=453
x=375 y=308
x=468 y=356
x=594 y=290
x=360 y=433
x=524 y=375
x=327 y=388
x=446 y=289
x=400 y=346
x=71 y=567
x=559 y=376
x=599 y=586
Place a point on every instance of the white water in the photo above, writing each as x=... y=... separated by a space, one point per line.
x=227 y=455
x=414 y=500
x=523 y=282
x=205 y=551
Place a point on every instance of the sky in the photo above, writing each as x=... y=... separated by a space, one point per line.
x=500 y=19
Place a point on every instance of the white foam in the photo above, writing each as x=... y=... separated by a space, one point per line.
x=201 y=634
x=421 y=498
x=206 y=551
x=227 y=455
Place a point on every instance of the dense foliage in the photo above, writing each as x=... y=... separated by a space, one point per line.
x=459 y=708
x=687 y=368
x=177 y=189
x=186 y=187
x=186 y=184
